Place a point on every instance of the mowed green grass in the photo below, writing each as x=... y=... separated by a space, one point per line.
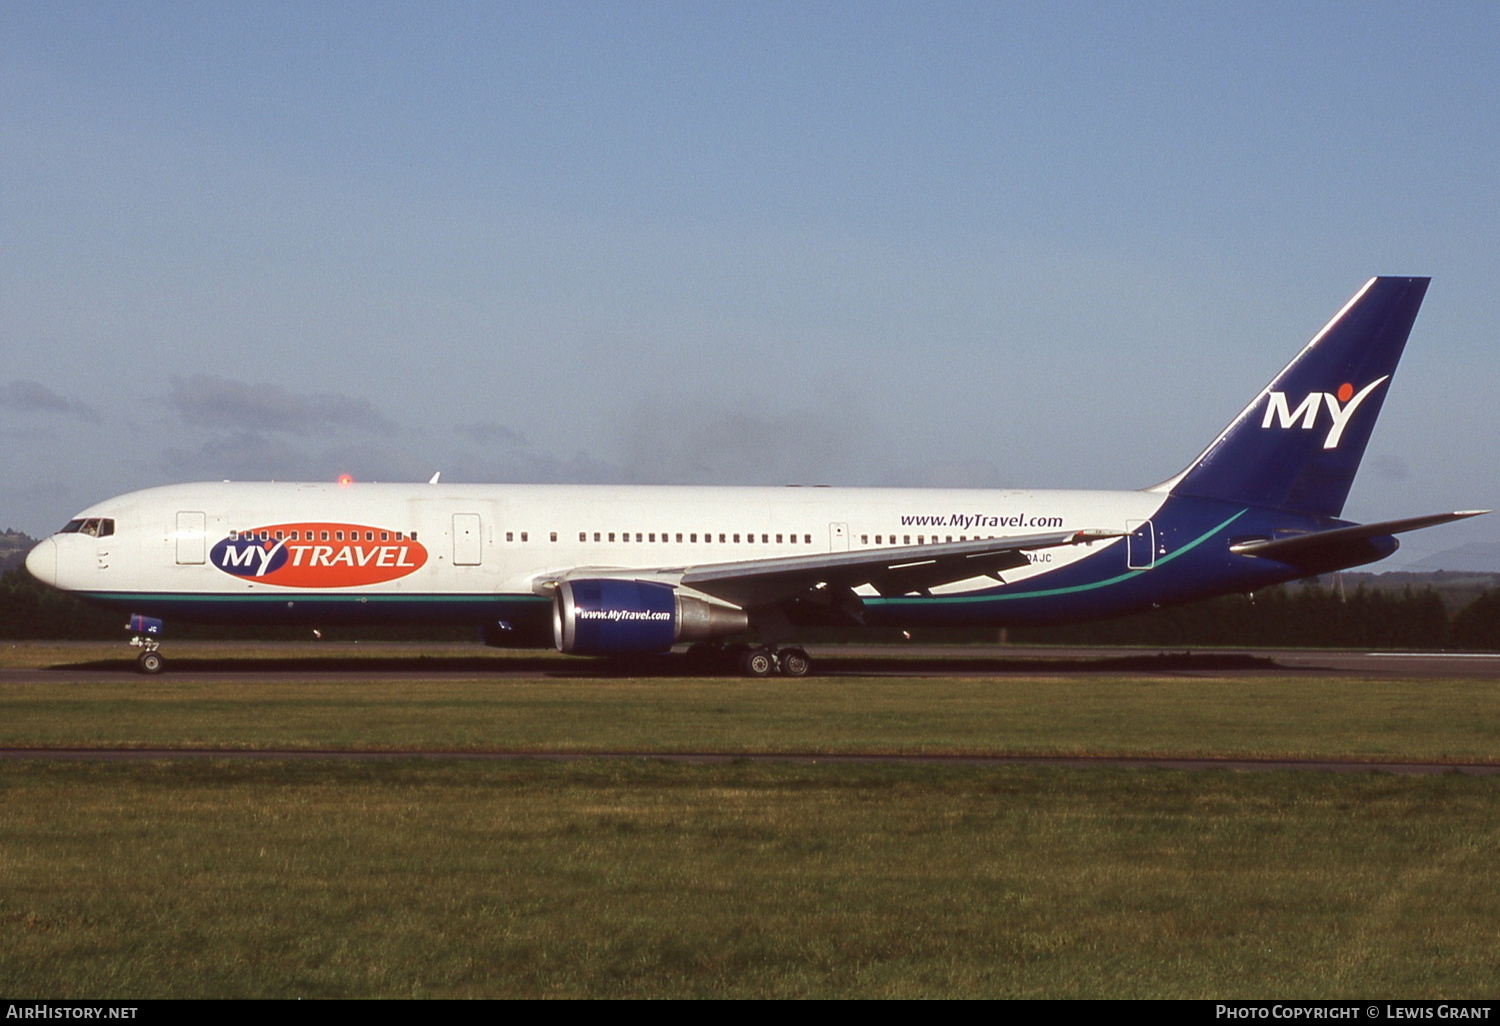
x=1250 y=715
x=645 y=879
x=640 y=878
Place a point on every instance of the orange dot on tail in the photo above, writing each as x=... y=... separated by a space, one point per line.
x=349 y=479
x=1345 y=391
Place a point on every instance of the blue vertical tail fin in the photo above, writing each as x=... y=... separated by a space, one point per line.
x=1298 y=444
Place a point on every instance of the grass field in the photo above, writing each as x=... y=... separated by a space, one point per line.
x=1252 y=715
x=640 y=878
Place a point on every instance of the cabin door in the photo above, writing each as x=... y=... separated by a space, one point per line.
x=1141 y=545
x=192 y=535
x=468 y=542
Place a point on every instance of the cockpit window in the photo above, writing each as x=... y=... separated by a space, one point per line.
x=95 y=527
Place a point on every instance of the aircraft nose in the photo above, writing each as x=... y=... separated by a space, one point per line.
x=41 y=562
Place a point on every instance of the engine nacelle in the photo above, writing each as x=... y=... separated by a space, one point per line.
x=608 y=616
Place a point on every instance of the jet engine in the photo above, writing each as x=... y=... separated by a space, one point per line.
x=609 y=616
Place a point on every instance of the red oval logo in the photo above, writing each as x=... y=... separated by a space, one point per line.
x=318 y=555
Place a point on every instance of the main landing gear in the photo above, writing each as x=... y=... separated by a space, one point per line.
x=146 y=636
x=748 y=660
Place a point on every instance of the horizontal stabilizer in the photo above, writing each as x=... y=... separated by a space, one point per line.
x=1342 y=547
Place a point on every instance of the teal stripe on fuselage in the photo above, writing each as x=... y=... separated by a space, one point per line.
x=1073 y=589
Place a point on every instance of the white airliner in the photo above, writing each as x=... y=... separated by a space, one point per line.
x=602 y=570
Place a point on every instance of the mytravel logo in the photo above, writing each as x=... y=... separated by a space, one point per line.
x=318 y=555
x=1341 y=406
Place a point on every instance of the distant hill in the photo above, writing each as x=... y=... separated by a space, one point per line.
x=13 y=548
x=1457 y=588
x=1479 y=556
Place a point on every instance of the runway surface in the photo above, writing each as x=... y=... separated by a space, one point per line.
x=330 y=661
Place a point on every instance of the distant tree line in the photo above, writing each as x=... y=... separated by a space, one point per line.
x=1301 y=616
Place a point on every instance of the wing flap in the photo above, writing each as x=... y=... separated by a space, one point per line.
x=891 y=571
x=898 y=570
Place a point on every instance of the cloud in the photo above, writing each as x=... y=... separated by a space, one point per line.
x=204 y=400
x=239 y=455
x=1391 y=468
x=945 y=474
x=490 y=433
x=259 y=456
x=679 y=445
x=524 y=466
x=33 y=397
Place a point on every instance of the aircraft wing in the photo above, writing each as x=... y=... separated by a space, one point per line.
x=895 y=570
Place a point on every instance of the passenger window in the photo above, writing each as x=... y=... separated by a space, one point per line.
x=653 y=536
x=523 y=535
x=807 y=539
x=637 y=536
x=554 y=536
x=510 y=536
x=611 y=536
x=679 y=537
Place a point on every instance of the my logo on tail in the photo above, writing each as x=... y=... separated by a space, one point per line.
x=1341 y=405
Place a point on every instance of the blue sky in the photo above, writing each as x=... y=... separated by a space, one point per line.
x=1040 y=245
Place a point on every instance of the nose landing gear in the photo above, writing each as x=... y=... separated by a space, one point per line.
x=146 y=635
